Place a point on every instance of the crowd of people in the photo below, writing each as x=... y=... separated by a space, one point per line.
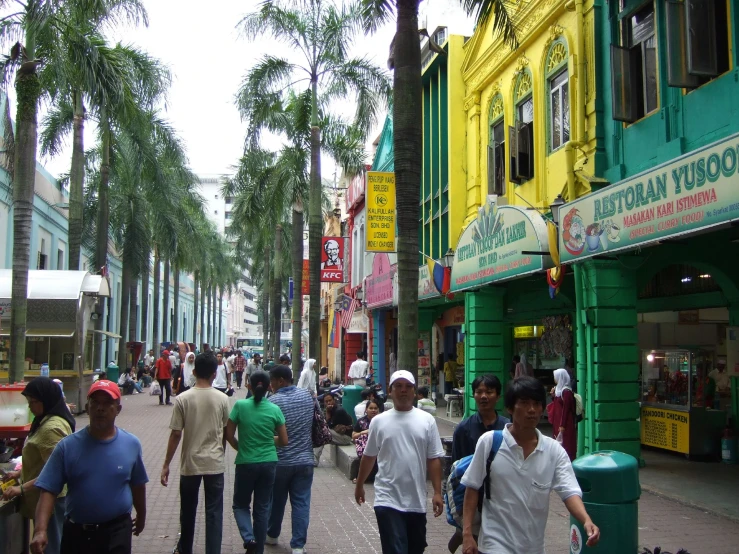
x=272 y=433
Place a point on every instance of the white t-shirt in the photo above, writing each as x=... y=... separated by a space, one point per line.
x=358 y=369
x=360 y=409
x=221 y=382
x=721 y=379
x=515 y=517
x=403 y=442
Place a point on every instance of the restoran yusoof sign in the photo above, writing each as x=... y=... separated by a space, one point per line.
x=696 y=191
x=492 y=247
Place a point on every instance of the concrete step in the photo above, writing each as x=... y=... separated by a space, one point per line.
x=345 y=459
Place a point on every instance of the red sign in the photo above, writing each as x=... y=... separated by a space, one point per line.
x=332 y=259
x=355 y=193
x=379 y=285
x=305 y=288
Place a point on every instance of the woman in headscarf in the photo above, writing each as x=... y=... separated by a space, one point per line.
x=307 y=379
x=188 y=372
x=524 y=368
x=562 y=414
x=52 y=422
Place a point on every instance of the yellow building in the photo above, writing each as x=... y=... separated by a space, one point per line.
x=530 y=112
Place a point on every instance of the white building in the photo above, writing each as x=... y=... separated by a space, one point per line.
x=240 y=306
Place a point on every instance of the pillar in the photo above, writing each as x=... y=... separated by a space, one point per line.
x=734 y=322
x=608 y=361
x=484 y=341
x=378 y=346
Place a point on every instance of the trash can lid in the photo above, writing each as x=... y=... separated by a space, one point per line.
x=112 y=365
x=608 y=477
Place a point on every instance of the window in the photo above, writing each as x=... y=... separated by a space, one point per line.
x=41 y=260
x=496 y=148
x=60 y=259
x=228 y=215
x=690 y=62
x=634 y=67
x=559 y=97
x=521 y=136
x=216 y=196
x=229 y=199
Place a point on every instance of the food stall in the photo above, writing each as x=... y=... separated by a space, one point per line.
x=60 y=305
x=676 y=414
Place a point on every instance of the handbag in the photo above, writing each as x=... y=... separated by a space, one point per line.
x=320 y=433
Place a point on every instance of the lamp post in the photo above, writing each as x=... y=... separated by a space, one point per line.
x=556 y=204
x=448 y=258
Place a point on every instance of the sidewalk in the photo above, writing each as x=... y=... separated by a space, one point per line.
x=338 y=525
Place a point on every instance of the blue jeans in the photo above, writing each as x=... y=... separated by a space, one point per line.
x=295 y=481
x=54 y=529
x=259 y=480
x=189 y=488
x=401 y=532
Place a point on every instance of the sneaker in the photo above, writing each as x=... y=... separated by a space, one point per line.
x=270 y=540
x=298 y=551
x=169 y=404
x=250 y=547
x=161 y=403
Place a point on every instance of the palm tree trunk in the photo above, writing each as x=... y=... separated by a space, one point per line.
x=155 y=302
x=297 y=311
x=220 y=315
x=145 y=302
x=265 y=305
x=407 y=143
x=123 y=317
x=133 y=304
x=213 y=313
x=28 y=89
x=196 y=283
x=202 y=313
x=176 y=321
x=101 y=237
x=165 y=303
x=315 y=229
x=270 y=348
x=277 y=330
x=277 y=293
x=76 y=182
x=208 y=335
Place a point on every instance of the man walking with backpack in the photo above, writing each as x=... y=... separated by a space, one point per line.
x=406 y=445
x=517 y=480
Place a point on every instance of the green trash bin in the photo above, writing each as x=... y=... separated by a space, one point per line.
x=112 y=372
x=352 y=397
x=610 y=490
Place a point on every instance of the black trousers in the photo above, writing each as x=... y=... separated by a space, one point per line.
x=113 y=538
x=239 y=375
x=165 y=384
x=401 y=532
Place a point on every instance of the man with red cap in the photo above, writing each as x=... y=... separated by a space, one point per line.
x=103 y=469
x=163 y=374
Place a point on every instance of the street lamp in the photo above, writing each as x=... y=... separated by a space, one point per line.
x=337 y=305
x=556 y=204
x=359 y=295
x=448 y=258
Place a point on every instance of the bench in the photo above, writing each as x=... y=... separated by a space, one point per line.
x=345 y=459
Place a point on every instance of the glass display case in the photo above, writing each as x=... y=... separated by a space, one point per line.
x=674 y=413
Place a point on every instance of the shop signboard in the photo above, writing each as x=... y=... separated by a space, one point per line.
x=501 y=243
x=424 y=359
x=378 y=286
x=380 y=212
x=332 y=259
x=690 y=193
x=667 y=429
x=359 y=322
x=5 y=308
x=355 y=191
x=305 y=286
x=426 y=287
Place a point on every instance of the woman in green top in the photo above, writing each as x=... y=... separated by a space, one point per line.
x=261 y=428
x=51 y=423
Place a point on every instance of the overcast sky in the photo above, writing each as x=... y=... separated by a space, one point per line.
x=208 y=58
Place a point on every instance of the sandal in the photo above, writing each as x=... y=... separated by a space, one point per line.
x=354 y=481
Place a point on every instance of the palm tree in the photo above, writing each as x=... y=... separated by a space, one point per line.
x=405 y=60
x=321 y=34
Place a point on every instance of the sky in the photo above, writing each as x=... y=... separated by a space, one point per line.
x=208 y=59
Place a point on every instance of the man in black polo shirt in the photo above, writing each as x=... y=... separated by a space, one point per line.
x=486 y=390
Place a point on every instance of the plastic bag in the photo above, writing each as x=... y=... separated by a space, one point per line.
x=156 y=390
x=560 y=439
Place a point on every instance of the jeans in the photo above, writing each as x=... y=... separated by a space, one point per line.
x=238 y=375
x=189 y=488
x=295 y=481
x=401 y=532
x=259 y=480
x=165 y=384
x=110 y=539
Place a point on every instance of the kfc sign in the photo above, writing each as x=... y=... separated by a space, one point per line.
x=332 y=259
x=355 y=193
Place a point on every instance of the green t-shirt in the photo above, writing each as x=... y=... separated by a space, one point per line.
x=256 y=424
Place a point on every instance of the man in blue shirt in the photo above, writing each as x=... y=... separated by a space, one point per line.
x=103 y=469
x=486 y=390
x=294 y=475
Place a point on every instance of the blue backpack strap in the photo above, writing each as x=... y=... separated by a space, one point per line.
x=497 y=441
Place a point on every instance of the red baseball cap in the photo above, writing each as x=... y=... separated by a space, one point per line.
x=104 y=385
x=165 y=352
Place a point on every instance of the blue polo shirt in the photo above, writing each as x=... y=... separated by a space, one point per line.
x=469 y=431
x=98 y=474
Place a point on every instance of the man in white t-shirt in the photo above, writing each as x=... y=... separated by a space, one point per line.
x=406 y=445
x=525 y=469
x=359 y=369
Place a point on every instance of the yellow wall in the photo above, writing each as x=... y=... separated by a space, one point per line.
x=490 y=67
x=457 y=140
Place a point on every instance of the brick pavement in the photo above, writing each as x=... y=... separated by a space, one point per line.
x=338 y=525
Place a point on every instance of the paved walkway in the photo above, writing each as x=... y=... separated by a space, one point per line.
x=338 y=525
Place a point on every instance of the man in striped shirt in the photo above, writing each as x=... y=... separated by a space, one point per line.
x=294 y=475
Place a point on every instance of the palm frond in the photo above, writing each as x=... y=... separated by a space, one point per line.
x=502 y=12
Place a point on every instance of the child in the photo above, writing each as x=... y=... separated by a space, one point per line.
x=424 y=403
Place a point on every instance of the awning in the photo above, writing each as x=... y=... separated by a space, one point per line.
x=42 y=332
x=56 y=285
x=107 y=334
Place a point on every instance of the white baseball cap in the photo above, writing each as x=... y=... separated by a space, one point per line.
x=402 y=374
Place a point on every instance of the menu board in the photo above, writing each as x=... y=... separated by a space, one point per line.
x=424 y=360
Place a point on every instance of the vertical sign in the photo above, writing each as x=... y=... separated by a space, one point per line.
x=332 y=259
x=291 y=291
x=305 y=288
x=380 y=212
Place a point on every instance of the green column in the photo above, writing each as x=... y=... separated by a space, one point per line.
x=608 y=329
x=485 y=333
x=734 y=322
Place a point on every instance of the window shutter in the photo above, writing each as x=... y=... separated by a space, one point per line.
x=500 y=168
x=677 y=54
x=491 y=168
x=624 y=83
x=701 y=28
x=513 y=149
x=525 y=150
